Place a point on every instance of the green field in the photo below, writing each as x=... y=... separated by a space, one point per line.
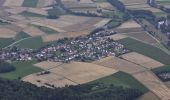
x=21 y=35
x=30 y=14
x=122 y=79
x=146 y=49
x=5 y=42
x=22 y=69
x=46 y=30
x=161 y=69
x=32 y=43
x=30 y=3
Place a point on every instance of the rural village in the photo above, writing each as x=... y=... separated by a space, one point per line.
x=85 y=49
x=93 y=47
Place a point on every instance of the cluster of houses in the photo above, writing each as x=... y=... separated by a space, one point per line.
x=84 y=48
x=165 y=76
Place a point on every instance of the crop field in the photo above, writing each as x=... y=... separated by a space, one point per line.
x=31 y=14
x=118 y=37
x=122 y=79
x=64 y=24
x=133 y=2
x=129 y=26
x=44 y=3
x=71 y=73
x=33 y=31
x=32 y=43
x=142 y=36
x=155 y=85
x=120 y=64
x=48 y=65
x=7 y=33
x=146 y=49
x=5 y=42
x=30 y=3
x=164 y=3
x=142 y=60
x=13 y=3
x=149 y=96
x=22 y=69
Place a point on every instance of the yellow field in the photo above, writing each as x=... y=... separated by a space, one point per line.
x=120 y=64
x=142 y=60
x=7 y=33
x=68 y=73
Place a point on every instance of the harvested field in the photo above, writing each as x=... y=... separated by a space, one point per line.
x=154 y=84
x=54 y=37
x=82 y=72
x=120 y=64
x=105 y=5
x=11 y=3
x=134 y=2
x=15 y=10
x=64 y=24
x=142 y=36
x=129 y=24
x=81 y=1
x=149 y=96
x=142 y=60
x=37 y=11
x=32 y=31
x=52 y=79
x=118 y=37
x=7 y=33
x=14 y=28
x=102 y=23
x=47 y=65
x=69 y=73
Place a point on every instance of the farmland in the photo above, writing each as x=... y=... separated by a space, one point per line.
x=86 y=58
x=72 y=73
x=146 y=50
x=22 y=69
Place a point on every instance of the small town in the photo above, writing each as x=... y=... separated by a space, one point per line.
x=84 y=48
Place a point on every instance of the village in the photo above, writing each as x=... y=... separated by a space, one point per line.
x=95 y=46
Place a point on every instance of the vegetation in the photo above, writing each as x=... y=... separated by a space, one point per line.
x=30 y=14
x=46 y=29
x=5 y=67
x=22 y=69
x=146 y=50
x=30 y=3
x=17 y=90
x=5 y=42
x=33 y=43
x=21 y=35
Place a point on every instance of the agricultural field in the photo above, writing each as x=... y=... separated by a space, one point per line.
x=22 y=69
x=153 y=84
x=32 y=43
x=142 y=60
x=89 y=6
x=129 y=26
x=164 y=3
x=146 y=49
x=68 y=74
x=149 y=96
x=122 y=79
x=120 y=64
